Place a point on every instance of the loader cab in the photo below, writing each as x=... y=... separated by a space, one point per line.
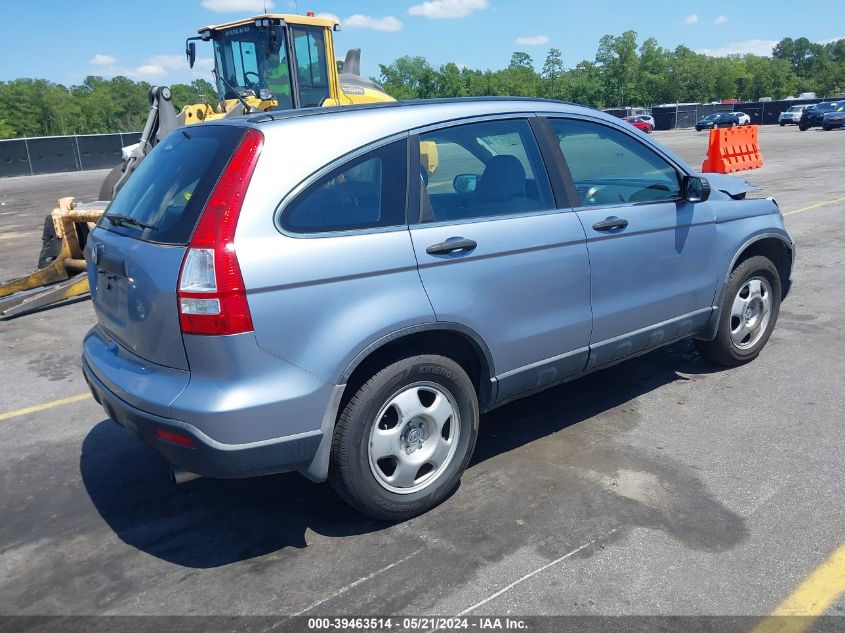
x=274 y=58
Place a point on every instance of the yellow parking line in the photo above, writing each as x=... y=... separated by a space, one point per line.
x=811 y=599
x=815 y=206
x=46 y=405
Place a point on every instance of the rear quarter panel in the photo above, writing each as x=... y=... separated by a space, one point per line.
x=317 y=301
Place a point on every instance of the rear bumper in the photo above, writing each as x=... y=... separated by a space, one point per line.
x=207 y=456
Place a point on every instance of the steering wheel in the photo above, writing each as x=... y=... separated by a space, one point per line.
x=256 y=75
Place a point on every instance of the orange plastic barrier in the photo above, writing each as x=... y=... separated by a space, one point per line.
x=733 y=149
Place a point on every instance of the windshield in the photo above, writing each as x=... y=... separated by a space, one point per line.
x=825 y=107
x=795 y=109
x=710 y=117
x=245 y=62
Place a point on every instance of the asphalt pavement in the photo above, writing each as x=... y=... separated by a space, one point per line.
x=663 y=486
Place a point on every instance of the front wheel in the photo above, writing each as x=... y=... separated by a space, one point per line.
x=782 y=123
x=405 y=437
x=802 y=127
x=748 y=313
x=827 y=128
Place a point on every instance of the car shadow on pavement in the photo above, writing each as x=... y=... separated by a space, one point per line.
x=205 y=523
x=209 y=523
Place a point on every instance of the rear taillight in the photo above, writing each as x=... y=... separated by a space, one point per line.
x=174 y=437
x=212 y=297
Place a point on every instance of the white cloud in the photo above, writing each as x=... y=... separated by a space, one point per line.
x=103 y=60
x=387 y=23
x=755 y=47
x=204 y=64
x=154 y=68
x=532 y=40
x=691 y=19
x=832 y=40
x=720 y=20
x=150 y=70
x=237 y=6
x=170 y=62
x=447 y=9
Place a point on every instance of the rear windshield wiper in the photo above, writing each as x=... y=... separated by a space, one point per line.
x=125 y=220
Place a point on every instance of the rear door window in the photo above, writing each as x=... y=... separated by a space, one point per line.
x=162 y=200
x=486 y=169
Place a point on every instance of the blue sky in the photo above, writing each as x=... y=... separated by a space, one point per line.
x=65 y=40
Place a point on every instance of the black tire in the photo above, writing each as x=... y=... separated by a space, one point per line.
x=782 y=124
x=350 y=473
x=802 y=127
x=827 y=128
x=107 y=188
x=722 y=349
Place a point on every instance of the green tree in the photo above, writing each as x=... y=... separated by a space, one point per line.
x=409 y=78
x=617 y=56
x=551 y=77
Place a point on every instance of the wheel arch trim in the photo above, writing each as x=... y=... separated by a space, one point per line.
x=783 y=237
x=318 y=469
x=435 y=326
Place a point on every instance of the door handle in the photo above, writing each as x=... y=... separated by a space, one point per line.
x=610 y=224
x=451 y=245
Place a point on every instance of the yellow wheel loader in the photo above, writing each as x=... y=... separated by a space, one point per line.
x=267 y=62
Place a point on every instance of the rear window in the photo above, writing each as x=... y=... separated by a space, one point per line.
x=163 y=199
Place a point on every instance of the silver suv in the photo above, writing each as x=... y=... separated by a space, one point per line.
x=791 y=116
x=342 y=292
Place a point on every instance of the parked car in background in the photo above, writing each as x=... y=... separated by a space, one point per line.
x=813 y=116
x=707 y=122
x=349 y=310
x=641 y=123
x=722 y=119
x=742 y=118
x=792 y=116
x=833 y=119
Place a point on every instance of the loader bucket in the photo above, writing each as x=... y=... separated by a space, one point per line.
x=60 y=279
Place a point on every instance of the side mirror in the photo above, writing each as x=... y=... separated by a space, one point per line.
x=696 y=189
x=465 y=183
x=191 y=53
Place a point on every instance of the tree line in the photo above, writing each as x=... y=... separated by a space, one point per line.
x=37 y=107
x=623 y=72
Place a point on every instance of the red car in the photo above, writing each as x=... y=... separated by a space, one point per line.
x=641 y=123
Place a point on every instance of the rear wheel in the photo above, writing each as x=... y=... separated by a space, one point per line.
x=748 y=313
x=404 y=438
x=827 y=128
x=782 y=123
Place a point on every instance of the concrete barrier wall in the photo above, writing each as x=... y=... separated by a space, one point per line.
x=52 y=154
